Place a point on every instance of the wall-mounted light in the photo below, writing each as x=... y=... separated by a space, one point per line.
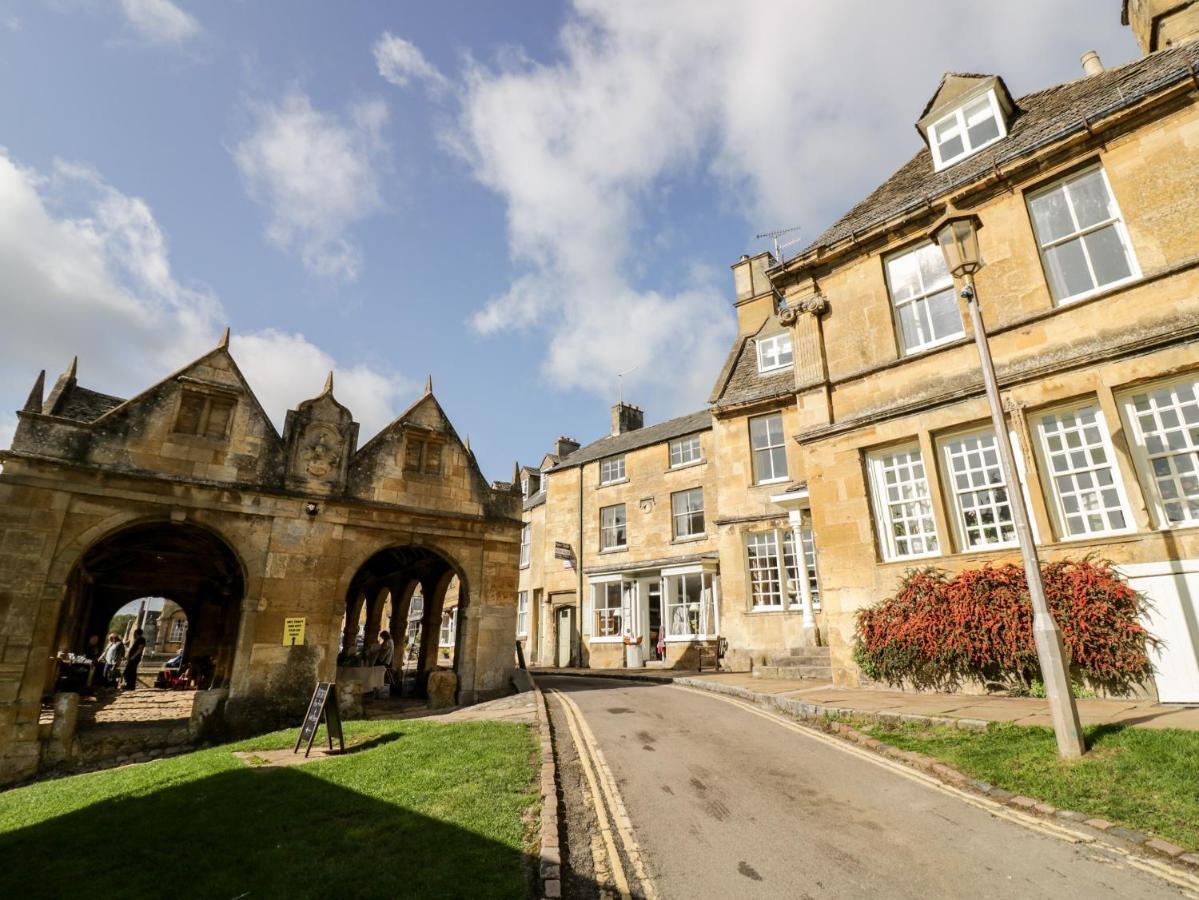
x=312 y=507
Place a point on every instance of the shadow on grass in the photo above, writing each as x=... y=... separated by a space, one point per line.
x=248 y=833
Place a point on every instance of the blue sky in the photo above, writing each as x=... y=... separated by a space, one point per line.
x=522 y=199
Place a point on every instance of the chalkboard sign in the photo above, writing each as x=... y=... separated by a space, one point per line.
x=323 y=704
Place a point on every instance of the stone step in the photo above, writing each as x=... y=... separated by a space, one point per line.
x=813 y=672
x=655 y=664
x=802 y=656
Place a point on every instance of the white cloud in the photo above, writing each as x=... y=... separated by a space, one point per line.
x=160 y=21
x=787 y=113
x=401 y=62
x=318 y=175
x=85 y=269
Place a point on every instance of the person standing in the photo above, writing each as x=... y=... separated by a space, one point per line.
x=136 y=650
x=114 y=653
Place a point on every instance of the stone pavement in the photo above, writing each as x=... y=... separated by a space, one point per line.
x=514 y=708
x=870 y=702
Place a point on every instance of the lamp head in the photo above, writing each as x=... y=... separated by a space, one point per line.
x=957 y=236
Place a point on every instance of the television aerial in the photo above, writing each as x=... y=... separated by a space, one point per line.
x=780 y=248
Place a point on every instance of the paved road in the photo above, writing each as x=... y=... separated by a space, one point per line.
x=725 y=802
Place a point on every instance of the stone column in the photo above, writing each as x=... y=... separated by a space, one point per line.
x=795 y=519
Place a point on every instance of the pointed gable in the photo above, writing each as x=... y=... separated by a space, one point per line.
x=202 y=422
x=965 y=113
x=419 y=460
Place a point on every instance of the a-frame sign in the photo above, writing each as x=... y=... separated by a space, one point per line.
x=323 y=704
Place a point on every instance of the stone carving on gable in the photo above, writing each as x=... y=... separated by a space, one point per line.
x=319 y=450
x=321 y=436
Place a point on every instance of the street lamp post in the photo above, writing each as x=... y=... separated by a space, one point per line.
x=957 y=236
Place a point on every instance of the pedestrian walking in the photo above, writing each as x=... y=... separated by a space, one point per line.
x=133 y=660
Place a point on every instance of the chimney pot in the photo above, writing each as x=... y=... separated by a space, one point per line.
x=565 y=446
x=1091 y=64
x=626 y=417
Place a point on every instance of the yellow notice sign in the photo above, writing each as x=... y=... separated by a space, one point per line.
x=293 y=632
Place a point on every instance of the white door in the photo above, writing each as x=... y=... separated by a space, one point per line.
x=1172 y=587
x=565 y=619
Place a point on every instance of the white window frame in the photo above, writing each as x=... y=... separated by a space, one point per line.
x=449 y=620
x=959 y=116
x=1144 y=459
x=771 y=351
x=708 y=614
x=543 y=483
x=526 y=543
x=774 y=478
x=949 y=484
x=601 y=588
x=768 y=574
x=792 y=568
x=178 y=631
x=876 y=465
x=614 y=528
x=524 y=486
x=685 y=516
x=611 y=470
x=522 y=614
x=686 y=446
x=1134 y=268
x=925 y=295
x=1050 y=477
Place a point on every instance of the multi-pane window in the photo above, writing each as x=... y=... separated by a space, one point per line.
x=613 y=530
x=524 y=486
x=178 y=630
x=422 y=455
x=966 y=130
x=978 y=491
x=1082 y=475
x=204 y=415
x=691 y=606
x=775 y=353
x=608 y=611
x=765 y=571
x=687 y=510
x=1165 y=425
x=526 y=537
x=685 y=450
x=902 y=506
x=1082 y=238
x=792 y=565
x=926 y=308
x=448 y=618
x=543 y=483
x=522 y=614
x=612 y=469
x=769 y=448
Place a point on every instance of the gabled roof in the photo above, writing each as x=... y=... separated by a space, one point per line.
x=84 y=405
x=615 y=444
x=1041 y=118
x=741 y=382
x=956 y=84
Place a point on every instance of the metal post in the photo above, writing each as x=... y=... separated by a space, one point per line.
x=1048 y=638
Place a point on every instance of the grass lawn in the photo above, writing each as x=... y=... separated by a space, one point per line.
x=1142 y=778
x=423 y=810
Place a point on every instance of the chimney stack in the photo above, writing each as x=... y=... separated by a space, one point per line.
x=565 y=446
x=626 y=417
x=1091 y=64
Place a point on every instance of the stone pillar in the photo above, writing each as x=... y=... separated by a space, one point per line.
x=795 y=519
x=349 y=634
x=374 y=617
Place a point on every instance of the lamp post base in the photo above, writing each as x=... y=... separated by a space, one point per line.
x=1054 y=673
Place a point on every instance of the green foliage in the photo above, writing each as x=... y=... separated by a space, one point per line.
x=1143 y=778
x=423 y=810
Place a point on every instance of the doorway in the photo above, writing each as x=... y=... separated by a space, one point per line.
x=566 y=616
x=650 y=591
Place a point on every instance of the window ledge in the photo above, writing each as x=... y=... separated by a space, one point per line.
x=692 y=639
x=624 y=548
x=604 y=484
x=766 y=610
x=606 y=640
x=690 y=539
x=771 y=481
x=686 y=465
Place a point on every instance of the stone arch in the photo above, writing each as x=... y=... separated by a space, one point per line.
x=397 y=569
x=189 y=563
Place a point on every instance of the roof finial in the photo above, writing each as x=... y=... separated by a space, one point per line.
x=224 y=344
x=329 y=383
x=428 y=384
x=516 y=472
x=467 y=443
x=34 y=403
x=73 y=368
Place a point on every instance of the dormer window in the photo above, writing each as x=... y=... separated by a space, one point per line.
x=775 y=353
x=966 y=130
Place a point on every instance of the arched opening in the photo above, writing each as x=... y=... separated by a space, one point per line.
x=179 y=585
x=394 y=618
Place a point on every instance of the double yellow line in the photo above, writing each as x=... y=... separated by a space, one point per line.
x=606 y=797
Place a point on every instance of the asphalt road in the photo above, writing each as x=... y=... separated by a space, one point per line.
x=725 y=802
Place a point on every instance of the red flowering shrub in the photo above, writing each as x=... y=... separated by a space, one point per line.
x=937 y=631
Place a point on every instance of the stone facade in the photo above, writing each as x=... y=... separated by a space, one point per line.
x=874 y=388
x=187 y=491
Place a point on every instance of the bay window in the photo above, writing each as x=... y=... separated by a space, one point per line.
x=691 y=609
x=607 y=603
